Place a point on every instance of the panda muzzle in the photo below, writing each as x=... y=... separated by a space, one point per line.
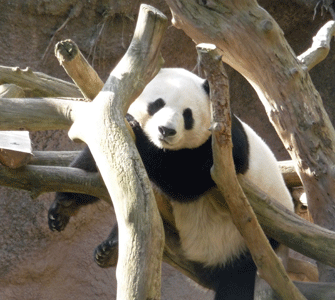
x=166 y=132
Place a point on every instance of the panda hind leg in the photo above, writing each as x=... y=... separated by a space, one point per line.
x=106 y=254
x=66 y=205
x=236 y=280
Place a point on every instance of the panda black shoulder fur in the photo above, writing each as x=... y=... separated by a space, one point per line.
x=170 y=120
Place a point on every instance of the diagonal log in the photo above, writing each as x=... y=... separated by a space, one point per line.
x=223 y=173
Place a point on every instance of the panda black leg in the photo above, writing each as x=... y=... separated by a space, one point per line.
x=237 y=287
x=106 y=254
x=236 y=280
x=66 y=205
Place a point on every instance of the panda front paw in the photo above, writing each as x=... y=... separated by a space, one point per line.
x=106 y=254
x=56 y=219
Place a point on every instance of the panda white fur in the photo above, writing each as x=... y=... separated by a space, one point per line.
x=170 y=120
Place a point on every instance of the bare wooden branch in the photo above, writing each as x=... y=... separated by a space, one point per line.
x=53 y=158
x=40 y=179
x=77 y=67
x=64 y=158
x=286 y=227
x=140 y=226
x=315 y=241
x=320 y=47
x=39 y=84
x=223 y=173
x=254 y=45
x=38 y=113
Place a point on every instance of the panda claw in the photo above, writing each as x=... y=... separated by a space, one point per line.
x=106 y=254
x=56 y=220
x=59 y=223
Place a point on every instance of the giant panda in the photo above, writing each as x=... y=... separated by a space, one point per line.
x=171 y=120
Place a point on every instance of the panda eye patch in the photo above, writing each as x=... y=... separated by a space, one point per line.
x=188 y=119
x=155 y=106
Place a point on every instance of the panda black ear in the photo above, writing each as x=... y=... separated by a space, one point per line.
x=205 y=86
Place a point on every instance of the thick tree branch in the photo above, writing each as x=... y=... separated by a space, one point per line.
x=268 y=264
x=44 y=179
x=38 y=84
x=38 y=113
x=140 y=227
x=253 y=44
x=286 y=227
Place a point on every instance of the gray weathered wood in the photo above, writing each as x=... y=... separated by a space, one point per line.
x=140 y=226
x=38 y=113
x=38 y=84
x=253 y=44
x=77 y=67
x=223 y=173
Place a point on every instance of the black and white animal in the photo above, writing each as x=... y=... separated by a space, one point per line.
x=170 y=120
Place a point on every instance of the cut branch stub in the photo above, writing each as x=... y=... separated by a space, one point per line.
x=320 y=47
x=77 y=67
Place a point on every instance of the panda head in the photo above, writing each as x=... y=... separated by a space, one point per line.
x=174 y=110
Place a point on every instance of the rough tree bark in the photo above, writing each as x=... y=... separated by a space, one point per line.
x=268 y=264
x=253 y=44
x=139 y=268
x=38 y=84
x=77 y=67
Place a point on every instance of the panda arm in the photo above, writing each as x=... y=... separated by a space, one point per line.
x=83 y=161
x=66 y=205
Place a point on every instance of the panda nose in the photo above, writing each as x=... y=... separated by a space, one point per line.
x=165 y=131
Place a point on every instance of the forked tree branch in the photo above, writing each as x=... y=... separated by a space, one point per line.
x=141 y=235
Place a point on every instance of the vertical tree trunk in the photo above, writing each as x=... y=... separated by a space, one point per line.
x=253 y=44
x=102 y=126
